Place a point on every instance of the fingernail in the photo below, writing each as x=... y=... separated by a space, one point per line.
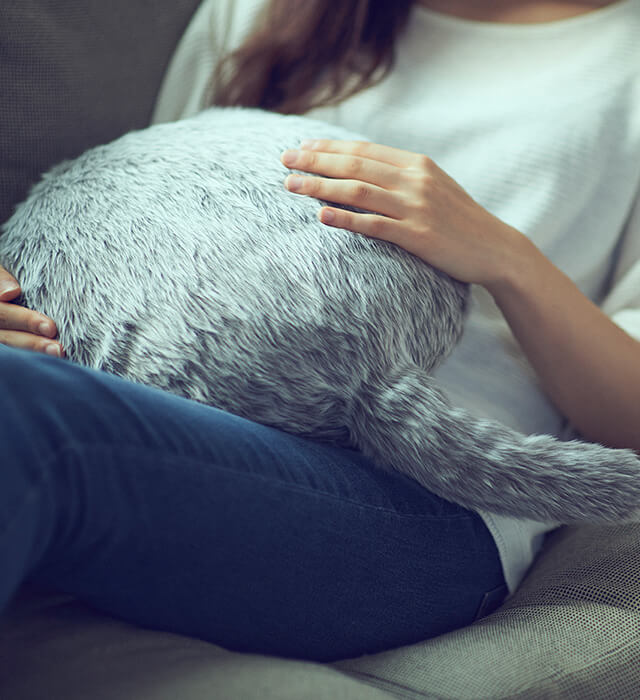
x=294 y=182
x=328 y=217
x=307 y=143
x=8 y=287
x=53 y=349
x=289 y=157
x=44 y=328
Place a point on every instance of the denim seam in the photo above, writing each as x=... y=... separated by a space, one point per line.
x=164 y=456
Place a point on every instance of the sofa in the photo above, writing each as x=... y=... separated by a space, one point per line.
x=74 y=75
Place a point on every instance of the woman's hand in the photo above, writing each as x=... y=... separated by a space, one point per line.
x=23 y=328
x=416 y=205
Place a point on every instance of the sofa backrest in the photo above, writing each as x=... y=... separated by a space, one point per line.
x=77 y=74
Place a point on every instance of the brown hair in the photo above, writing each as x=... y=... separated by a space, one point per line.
x=303 y=54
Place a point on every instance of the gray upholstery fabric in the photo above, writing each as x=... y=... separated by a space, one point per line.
x=76 y=74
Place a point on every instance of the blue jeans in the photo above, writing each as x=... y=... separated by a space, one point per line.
x=177 y=516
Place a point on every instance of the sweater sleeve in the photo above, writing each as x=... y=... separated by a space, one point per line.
x=217 y=27
x=622 y=303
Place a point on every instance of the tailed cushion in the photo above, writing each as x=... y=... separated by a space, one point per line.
x=175 y=257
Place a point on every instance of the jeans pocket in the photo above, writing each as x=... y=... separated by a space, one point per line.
x=491 y=600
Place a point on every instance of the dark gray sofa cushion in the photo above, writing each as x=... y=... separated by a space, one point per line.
x=76 y=74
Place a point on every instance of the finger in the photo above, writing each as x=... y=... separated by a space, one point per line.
x=9 y=287
x=338 y=165
x=365 y=149
x=351 y=192
x=28 y=341
x=368 y=224
x=14 y=317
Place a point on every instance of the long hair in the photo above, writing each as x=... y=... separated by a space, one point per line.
x=303 y=54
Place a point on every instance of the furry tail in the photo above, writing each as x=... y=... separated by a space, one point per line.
x=404 y=422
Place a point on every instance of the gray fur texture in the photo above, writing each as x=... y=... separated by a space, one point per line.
x=175 y=257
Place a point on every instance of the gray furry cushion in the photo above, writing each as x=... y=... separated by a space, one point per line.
x=175 y=257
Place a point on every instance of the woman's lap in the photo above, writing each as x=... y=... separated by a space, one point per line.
x=182 y=517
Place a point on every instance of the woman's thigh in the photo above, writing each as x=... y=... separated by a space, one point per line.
x=183 y=517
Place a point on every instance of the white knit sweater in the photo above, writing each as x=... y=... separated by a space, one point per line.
x=540 y=123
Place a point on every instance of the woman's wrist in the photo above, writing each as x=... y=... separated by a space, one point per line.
x=521 y=268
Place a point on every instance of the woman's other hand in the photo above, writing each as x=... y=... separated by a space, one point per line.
x=23 y=328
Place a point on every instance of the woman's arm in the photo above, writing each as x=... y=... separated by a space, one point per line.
x=588 y=365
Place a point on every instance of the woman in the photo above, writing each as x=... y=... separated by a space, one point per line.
x=504 y=151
